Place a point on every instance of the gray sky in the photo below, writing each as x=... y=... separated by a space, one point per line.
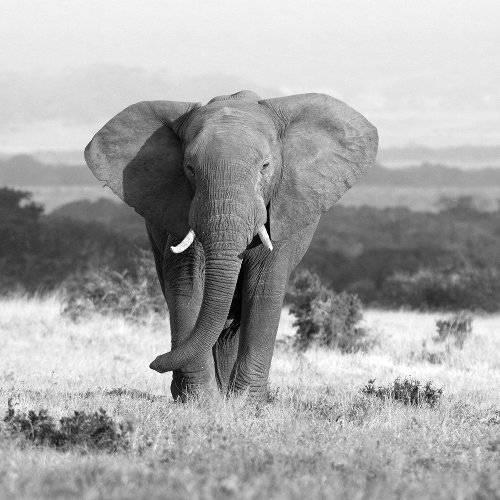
x=423 y=71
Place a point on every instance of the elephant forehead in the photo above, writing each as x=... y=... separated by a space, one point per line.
x=247 y=95
x=237 y=114
x=217 y=142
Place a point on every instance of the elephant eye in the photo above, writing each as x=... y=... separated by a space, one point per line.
x=190 y=170
x=265 y=165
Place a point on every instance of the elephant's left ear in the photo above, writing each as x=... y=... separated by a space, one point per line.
x=327 y=147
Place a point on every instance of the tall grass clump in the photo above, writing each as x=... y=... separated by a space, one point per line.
x=456 y=329
x=325 y=318
x=132 y=295
x=451 y=334
x=84 y=431
x=407 y=391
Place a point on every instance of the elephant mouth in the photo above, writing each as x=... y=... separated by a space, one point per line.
x=190 y=236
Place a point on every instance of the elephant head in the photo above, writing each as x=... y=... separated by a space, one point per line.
x=228 y=171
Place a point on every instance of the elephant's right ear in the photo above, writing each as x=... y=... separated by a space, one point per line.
x=139 y=156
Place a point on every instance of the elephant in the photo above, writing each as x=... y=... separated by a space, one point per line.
x=231 y=193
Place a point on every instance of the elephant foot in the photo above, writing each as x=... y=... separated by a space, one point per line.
x=254 y=394
x=250 y=376
x=183 y=390
x=194 y=381
x=256 y=390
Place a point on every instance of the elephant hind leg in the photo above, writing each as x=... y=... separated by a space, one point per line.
x=225 y=352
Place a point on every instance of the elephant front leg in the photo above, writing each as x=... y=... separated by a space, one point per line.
x=264 y=286
x=265 y=279
x=183 y=275
x=257 y=338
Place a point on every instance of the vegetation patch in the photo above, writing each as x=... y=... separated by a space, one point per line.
x=392 y=257
x=325 y=318
x=84 y=431
x=451 y=334
x=432 y=289
x=457 y=329
x=133 y=394
x=493 y=418
x=432 y=357
x=320 y=435
x=110 y=292
x=42 y=252
x=407 y=391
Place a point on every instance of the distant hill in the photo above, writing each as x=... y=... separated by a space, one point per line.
x=101 y=210
x=431 y=175
x=458 y=156
x=472 y=157
x=114 y=214
x=68 y=157
x=24 y=170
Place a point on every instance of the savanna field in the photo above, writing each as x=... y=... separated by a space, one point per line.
x=126 y=129
x=318 y=436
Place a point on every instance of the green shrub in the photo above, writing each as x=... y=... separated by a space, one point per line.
x=109 y=292
x=86 y=431
x=457 y=328
x=407 y=391
x=325 y=318
x=473 y=289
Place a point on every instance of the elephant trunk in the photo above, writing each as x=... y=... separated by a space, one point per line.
x=222 y=266
x=224 y=220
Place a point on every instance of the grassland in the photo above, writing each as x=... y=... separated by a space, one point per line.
x=318 y=437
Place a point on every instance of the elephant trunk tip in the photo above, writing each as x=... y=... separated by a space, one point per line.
x=169 y=361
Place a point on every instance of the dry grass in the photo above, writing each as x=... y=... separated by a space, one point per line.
x=319 y=437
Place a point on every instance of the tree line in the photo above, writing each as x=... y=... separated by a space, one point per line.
x=389 y=257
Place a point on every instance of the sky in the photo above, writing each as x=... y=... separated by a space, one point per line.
x=424 y=72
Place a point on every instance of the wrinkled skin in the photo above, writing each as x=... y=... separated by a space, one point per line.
x=226 y=170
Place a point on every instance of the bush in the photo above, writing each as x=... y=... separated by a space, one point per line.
x=429 y=355
x=457 y=328
x=325 y=318
x=109 y=292
x=373 y=253
x=474 y=289
x=86 y=431
x=407 y=391
x=38 y=253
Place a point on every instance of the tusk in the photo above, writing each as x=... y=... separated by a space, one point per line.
x=185 y=243
x=264 y=237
